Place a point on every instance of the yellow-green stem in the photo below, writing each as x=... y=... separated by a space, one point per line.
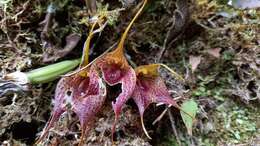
x=122 y=40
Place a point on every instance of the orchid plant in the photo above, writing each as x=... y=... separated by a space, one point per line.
x=84 y=91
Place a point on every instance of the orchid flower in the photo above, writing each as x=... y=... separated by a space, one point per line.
x=150 y=88
x=84 y=94
x=115 y=69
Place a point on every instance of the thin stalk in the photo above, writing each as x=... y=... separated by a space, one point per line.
x=123 y=38
x=85 y=55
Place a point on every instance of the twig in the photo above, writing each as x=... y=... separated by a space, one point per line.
x=180 y=21
x=13 y=44
x=25 y=6
x=173 y=127
x=47 y=22
x=160 y=116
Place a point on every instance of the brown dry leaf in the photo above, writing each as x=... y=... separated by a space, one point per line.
x=194 y=61
x=214 y=52
x=56 y=52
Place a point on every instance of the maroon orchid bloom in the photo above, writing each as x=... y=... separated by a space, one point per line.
x=118 y=73
x=150 y=88
x=116 y=70
x=84 y=94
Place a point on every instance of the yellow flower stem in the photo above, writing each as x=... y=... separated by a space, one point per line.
x=120 y=47
x=85 y=56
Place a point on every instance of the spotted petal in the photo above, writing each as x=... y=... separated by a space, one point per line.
x=114 y=74
x=88 y=100
x=85 y=95
x=150 y=88
x=60 y=100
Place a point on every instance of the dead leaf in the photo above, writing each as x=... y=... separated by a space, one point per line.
x=194 y=61
x=57 y=52
x=214 y=52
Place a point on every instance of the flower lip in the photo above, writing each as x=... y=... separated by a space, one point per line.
x=112 y=74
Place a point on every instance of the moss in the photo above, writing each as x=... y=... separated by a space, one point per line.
x=235 y=123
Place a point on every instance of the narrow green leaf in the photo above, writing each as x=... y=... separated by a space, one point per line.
x=51 y=72
x=190 y=107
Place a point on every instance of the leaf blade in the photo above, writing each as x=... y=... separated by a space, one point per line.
x=190 y=107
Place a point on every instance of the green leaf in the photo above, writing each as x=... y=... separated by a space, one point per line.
x=190 y=107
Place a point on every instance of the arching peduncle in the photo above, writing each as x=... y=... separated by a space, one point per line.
x=120 y=46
